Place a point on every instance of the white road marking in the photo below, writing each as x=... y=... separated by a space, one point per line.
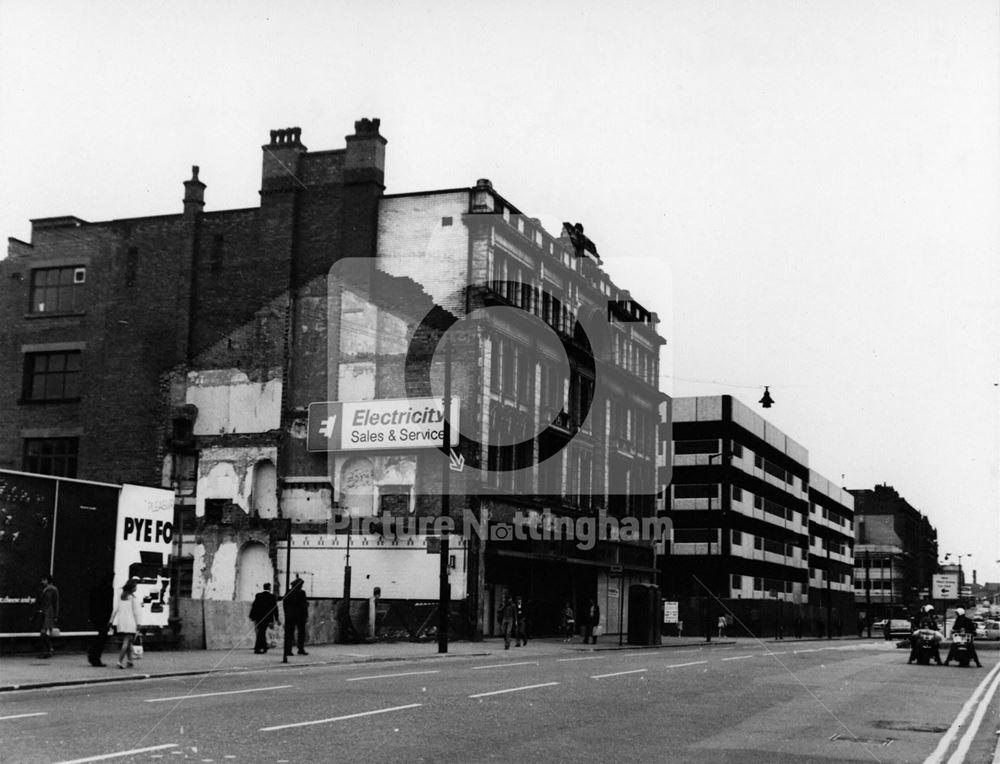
x=119 y=754
x=22 y=716
x=680 y=665
x=585 y=658
x=618 y=673
x=213 y=694
x=738 y=657
x=389 y=676
x=946 y=741
x=340 y=718
x=512 y=689
x=505 y=665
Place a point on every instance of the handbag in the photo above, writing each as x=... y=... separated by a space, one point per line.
x=54 y=632
x=598 y=630
x=137 y=648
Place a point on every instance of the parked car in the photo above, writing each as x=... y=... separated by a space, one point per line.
x=992 y=629
x=898 y=628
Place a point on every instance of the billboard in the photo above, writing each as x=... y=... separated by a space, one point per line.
x=386 y=423
x=144 y=534
x=53 y=525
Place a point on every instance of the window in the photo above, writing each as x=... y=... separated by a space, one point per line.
x=131 y=265
x=394 y=500
x=737 y=581
x=737 y=450
x=695 y=491
x=52 y=376
x=696 y=447
x=51 y=456
x=695 y=535
x=737 y=493
x=58 y=290
x=737 y=537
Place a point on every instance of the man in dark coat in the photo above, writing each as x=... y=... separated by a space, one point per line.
x=966 y=624
x=99 y=605
x=296 y=607
x=48 y=610
x=263 y=612
x=593 y=618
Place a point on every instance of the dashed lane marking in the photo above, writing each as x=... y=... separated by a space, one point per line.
x=340 y=718
x=619 y=673
x=505 y=665
x=390 y=676
x=681 y=665
x=585 y=658
x=23 y=716
x=739 y=657
x=119 y=754
x=213 y=694
x=513 y=689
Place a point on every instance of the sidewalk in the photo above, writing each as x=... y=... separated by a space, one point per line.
x=21 y=672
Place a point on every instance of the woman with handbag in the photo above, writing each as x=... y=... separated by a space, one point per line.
x=126 y=620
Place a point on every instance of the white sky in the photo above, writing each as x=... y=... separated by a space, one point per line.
x=822 y=179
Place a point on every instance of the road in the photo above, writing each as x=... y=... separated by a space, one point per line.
x=856 y=701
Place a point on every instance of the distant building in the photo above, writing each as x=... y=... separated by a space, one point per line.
x=896 y=554
x=756 y=533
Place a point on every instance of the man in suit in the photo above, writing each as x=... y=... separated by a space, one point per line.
x=296 y=607
x=263 y=612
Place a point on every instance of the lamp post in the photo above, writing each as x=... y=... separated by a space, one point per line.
x=723 y=539
x=444 y=586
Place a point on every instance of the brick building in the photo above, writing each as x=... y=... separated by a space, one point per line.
x=185 y=350
x=896 y=555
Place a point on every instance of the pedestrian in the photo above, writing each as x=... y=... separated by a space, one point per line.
x=520 y=622
x=127 y=619
x=779 y=629
x=507 y=616
x=798 y=627
x=48 y=611
x=99 y=607
x=593 y=620
x=568 y=622
x=680 y=628
x=263 y=612
x=722 y=627
x=296 y=606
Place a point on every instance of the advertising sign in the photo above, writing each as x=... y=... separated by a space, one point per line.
x=670 y=612
x=944 y=586
x=59 y=526
x=397 y=423
x=145 y=531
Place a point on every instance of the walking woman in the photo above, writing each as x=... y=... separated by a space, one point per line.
x=126 y=619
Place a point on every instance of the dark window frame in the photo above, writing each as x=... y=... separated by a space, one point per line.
x=52 y=376
x=58 y=456
x=59 y=290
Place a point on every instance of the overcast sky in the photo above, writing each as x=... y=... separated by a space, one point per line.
x=814 y=186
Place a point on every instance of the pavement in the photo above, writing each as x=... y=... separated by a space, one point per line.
x=28 y=671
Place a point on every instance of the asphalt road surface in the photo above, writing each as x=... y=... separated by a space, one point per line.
x=744 y=703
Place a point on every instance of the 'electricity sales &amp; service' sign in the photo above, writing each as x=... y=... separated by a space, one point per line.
x=382 y=424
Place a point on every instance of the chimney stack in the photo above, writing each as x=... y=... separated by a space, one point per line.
x=194 y=194
x=365 y=160
x=281 y=160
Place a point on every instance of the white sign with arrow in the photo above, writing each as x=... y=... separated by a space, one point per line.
x=456 y=461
